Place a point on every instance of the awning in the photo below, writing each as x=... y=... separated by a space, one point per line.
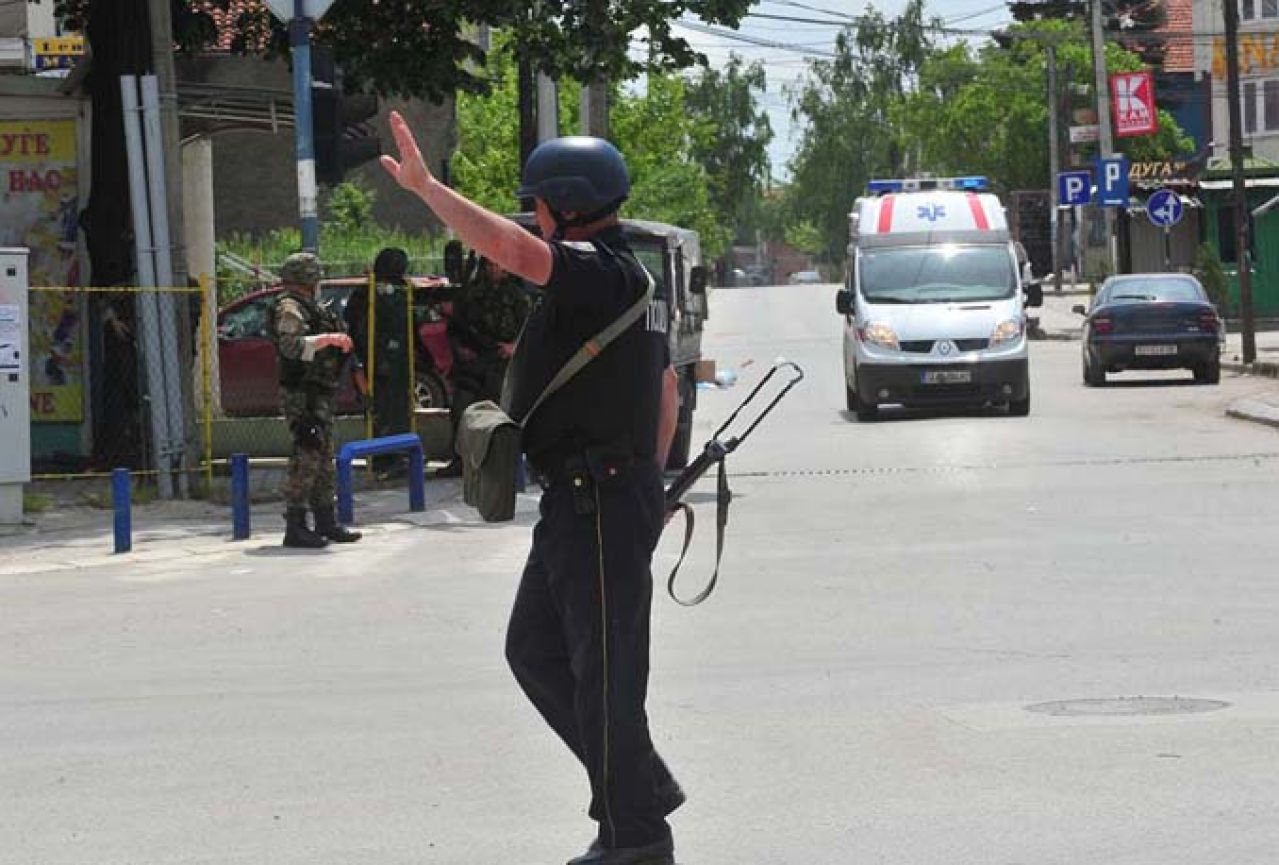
x=1250 y=183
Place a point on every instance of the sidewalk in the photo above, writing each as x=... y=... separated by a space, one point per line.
x=72 y=537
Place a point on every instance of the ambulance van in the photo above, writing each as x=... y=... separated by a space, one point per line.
x=934 y=305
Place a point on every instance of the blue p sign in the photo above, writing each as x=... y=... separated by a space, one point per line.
x=1112 y=182
x=1074 y=188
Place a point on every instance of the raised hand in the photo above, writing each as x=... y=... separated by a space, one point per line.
x=410 y=169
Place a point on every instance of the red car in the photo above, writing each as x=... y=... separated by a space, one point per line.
x=248 y=376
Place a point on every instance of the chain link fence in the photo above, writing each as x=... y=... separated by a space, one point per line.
x=170 y=382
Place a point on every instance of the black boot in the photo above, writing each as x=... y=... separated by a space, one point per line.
x=327 y=526
x=298 y=534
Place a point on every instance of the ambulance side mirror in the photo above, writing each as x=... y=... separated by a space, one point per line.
x=697 y=280
x=844 y=302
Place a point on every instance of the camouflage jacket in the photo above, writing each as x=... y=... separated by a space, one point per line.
x=294 y=318
x=486 y=314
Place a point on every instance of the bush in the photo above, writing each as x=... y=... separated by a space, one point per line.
x=1212 y=275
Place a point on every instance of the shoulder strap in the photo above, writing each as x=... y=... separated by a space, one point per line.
x=596 y=344
x=723 y=497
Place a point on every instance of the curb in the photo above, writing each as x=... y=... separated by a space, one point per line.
x=1254 y=411
x=1263 y=368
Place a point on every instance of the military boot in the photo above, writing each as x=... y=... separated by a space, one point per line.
x=298 y=534
x=327 y=526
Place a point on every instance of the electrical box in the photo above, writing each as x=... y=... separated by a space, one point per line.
x=15 y=385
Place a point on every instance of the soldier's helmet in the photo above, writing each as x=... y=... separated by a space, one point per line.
x=301 y=268
x=577 y=174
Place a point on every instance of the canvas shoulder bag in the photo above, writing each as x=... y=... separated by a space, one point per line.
x=489 y=441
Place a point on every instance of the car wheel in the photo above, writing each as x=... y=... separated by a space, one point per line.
x=1093 y=377
x=680 y=445
x=429 y=391
x=865 y=411
x=1019 y=407
x=1208 y=373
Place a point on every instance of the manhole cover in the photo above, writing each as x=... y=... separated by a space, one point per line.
x=1113 y=706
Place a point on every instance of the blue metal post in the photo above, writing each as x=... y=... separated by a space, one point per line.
x=417 y=480
x=346 y=495
x=300 y=43
x=240 y=514
x=121 y=499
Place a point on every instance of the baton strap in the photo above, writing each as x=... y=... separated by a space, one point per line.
x=723 y=497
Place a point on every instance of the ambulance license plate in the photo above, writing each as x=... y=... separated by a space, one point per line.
x=1155 y=350
x=947 y=376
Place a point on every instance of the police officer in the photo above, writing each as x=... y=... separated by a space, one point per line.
x=578 y=640
x=311 y=345
x=392 y=394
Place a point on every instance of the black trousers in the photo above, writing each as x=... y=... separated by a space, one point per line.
x=578 y=642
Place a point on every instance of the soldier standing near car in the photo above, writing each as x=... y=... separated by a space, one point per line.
x=488 y=315
x=311 y=346
x=578 y=640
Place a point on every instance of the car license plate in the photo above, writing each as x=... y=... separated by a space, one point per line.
x=947 y=376
x=1154 y=350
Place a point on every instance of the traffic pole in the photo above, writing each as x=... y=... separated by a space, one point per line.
x=1243 y=257
x=1106 y=142
x=300 y=44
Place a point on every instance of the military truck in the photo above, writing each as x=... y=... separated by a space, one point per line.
x=673 y=255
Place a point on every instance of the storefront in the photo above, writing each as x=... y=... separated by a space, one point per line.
x=1216 y=190
x=43 y=144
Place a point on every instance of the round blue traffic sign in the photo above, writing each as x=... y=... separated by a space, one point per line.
x=1164 y=208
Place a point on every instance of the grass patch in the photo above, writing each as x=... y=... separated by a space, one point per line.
x=36 y=503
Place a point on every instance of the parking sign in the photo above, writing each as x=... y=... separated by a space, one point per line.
x=1074 y=188
x=1112 y=181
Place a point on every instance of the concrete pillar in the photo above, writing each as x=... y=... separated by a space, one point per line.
x=199 y=228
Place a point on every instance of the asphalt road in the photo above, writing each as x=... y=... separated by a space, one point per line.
x=894 y=595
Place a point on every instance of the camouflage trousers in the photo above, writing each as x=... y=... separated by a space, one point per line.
x=312 y=479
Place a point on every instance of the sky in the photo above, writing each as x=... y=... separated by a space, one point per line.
x=786 y=65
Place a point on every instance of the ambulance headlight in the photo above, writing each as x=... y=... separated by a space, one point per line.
x=1006 y=331
x=880 y=334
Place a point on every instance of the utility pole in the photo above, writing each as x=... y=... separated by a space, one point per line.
x=303 y=128
x=1054 y=161
x=1106 y=142
x=1242 y=246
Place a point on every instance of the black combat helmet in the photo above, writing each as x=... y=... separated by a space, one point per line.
x=577 y=174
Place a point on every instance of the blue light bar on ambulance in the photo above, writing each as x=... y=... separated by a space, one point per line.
x=975 y=183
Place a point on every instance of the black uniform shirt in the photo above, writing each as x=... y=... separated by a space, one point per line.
x=616 y=398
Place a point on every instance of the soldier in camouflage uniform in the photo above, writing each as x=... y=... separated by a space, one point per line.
x=488 y=316
x=312 y=348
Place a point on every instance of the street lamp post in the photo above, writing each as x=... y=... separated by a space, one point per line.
x=301 y=16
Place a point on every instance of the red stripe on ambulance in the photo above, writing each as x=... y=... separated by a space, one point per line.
x=886 y=215
x=979 y=214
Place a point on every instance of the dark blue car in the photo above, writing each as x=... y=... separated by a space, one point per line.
x=1151 y=321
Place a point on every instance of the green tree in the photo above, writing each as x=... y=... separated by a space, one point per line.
x=849 y=108
x=985 y=110
x=423 y=48
x=735 y=155
x=652 y=126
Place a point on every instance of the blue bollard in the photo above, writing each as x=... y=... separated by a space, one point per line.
x=121 y=499
x=240 y=519
x=345 y=492
x=417 y=480
x=521 y=474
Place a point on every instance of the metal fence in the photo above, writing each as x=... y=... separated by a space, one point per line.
x=169 y=383
x=119 y=381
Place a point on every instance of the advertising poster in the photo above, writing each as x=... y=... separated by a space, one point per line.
x=39 y=206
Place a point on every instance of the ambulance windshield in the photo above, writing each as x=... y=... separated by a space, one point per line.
x=937 y=274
